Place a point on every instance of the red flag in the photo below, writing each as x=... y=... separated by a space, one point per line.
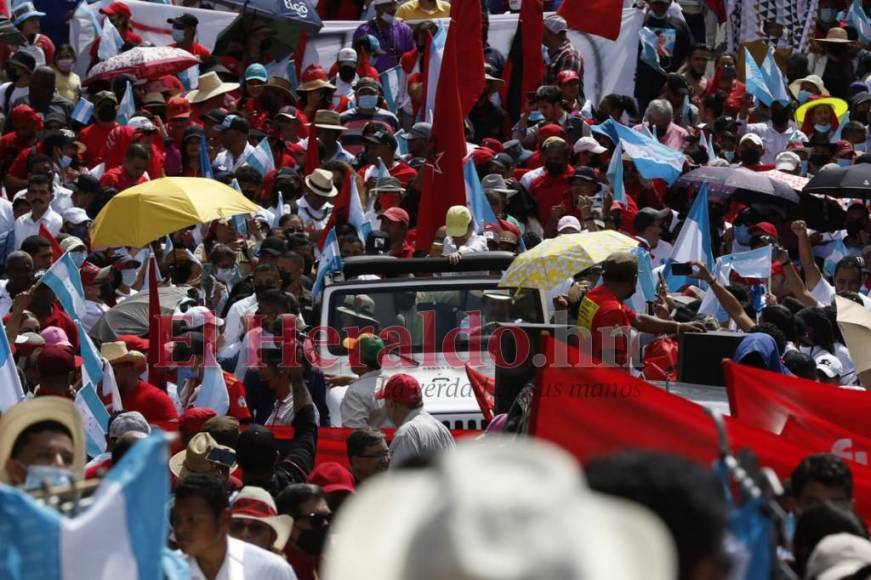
x=599 y=17
x=443 y=184
x=339 y=215
x=157 y=334
x=532 y=20
x=470 y=53
x=312 y=154
x=484 y=388
x=595 y=411
x=765 y=400
x=818 y=436
x=56 y=250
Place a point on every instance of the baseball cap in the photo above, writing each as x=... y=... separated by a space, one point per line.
x=648 y=216
x=396 y=215
x=126 y=422
x=55 y=336
x=588 y=144
x=766 y=228
x=556 y=24
x=787 y=161
x=192 y=420
x=223 y=429
x=838 y=556
x=368 y=345
x=620 y=265
x=215 y=116
x=105 y=96
x=401 y=388
x=55 y=360
x=116 y=8
x=753 y=138
x=457 y=221
x=584 y=173
x=347 y=55
x=332 y=477
x=256 y=72
x=186 y=20
x=178 y=108
x=287 y=112
x=568 y=224
x=516 y=151
x=87 y=183
x=829 y=365
x=195 y=318
x=91 y=274
x=234 y=123
x=367 y=83
x=255 y=447
x=381 y=136
x=567 y=76
x=75 y=216
x=142 y=124
x=419 y=131
x=71 y=243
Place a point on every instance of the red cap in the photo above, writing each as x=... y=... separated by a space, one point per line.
x=401 y=388
x=550 y=130
x=313 y=72
x=116 y=8
x=171 y=84
x=54 y=361
x=134 y=342
x=178 y=108
x=332 y=477
x=191 y=421
x=567 y=76
x=396 y=215
x=482 y=155
x=22 y=114
x=766 y=228
x=493 y=144
x=91 y=273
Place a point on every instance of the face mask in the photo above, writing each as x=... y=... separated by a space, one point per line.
x=41 y=475
x=789 y=527
x=65 y=64
x=804 y=96
x=555 y=168
x=226 y=275
x=728 y=155
x=387 y=18
x=535 y=117
x=177 y=35
x=367 y=102
x=624 y=118
x=514 y=5
x=65 y=161
x=823 y=128
x=844 y=162
x=827 y=14
x=106 y=114
x=347 y=73
x=128 y=276
x=312 y=541
x=78 y=258
x=742 y=235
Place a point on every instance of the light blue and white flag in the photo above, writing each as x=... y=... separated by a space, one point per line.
x=83 y=111
x=652 y=159
x=110 y=41
x=476 y=200
x=95 y=370
x=615 y=175
x=212 y=392
x=66 y=283
x=774 y=79
x=649 y=56
x=356 y=216
x=127 y=107
x=95 y=418
x=260 y=158
x=381 y=171
x=755 y=81
x=393 y=87
x=84 y=27
x=190 y=77
x=433 y=71
x=205 y=162
x=11 y=392
x=858 y=19
x=278 y=210
x=645 y=287
x=708 y=146
x=836 y=136
x=693 y=242
x=839 y=252
x=330 y=261
x=122 y=534
x=750 y=264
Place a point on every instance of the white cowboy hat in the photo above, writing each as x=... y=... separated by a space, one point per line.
x=255 y=503
x=320 y=182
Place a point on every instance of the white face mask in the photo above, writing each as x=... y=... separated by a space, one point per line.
x=225 y=275
x=387 y=17
x=128 y=276
x=514 y=5
x=177 y=35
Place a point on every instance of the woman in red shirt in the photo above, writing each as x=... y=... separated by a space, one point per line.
x=726 y=83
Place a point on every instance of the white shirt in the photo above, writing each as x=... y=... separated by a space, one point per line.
x=360 y=408
x=316 y=218
x=63 y=199
x=233 y=324
x=823 y=292
x=774 y=141
x=660 y=253
x=421 y=434
x=17 y=93
x=93 y=312
x=7 y=217
x=245 y=561
x=5 y=299
x=282 y=412
x=226 y=162
x=26 y=227
x=474 y=244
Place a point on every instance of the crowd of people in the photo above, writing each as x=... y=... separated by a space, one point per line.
x=251 y=501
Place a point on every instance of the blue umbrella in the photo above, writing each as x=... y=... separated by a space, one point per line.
x=302 y=12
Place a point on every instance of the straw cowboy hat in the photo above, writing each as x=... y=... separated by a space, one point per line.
x=320 y=182
x=835 y=36
x=210 y=85
x=193 y=459
x=795 y=86
x=116 y=353
x=329 y=120
x=21 y=416
x=255 y=503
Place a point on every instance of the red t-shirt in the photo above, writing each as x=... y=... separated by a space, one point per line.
x=117 y=178
x=59 y=318
x=154 y=404
x=402 y=171
x=238 y=402
x=128 y=36
x=546 y=190
x=19 y=166
x=406 y=251
x=601 y=310
x=94 y=137
x=196 y=49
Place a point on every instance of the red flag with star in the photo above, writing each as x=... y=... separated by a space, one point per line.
x=443 y=184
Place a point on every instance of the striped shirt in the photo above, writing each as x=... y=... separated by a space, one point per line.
x=355 y=121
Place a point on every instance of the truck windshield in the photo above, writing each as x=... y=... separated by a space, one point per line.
x=429 y=318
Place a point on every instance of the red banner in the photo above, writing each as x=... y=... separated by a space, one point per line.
x=600 y=17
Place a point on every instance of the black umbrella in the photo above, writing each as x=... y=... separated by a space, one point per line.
x=131 y=316
x=851 y=181
x=821 y=213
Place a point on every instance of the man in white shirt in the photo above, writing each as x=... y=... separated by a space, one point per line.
x=359 y=406
x=201 y=522
x=19 y=272
x=234 y=138
x=418 y=433
x=266 y=276
x=39 y=197
x=648 y=224
x=460 y=236
x=776 y=134
x=315 y=206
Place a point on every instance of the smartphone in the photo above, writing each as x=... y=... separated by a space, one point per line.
x=222 y=457
x=681 y=268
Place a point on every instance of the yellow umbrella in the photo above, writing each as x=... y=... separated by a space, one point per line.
x=144 y=213
x=555 y=260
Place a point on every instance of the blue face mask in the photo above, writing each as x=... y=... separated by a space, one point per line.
x=728 y=155
x=803 y=96
x=827 y=14
x=535 y=117
x=860 y=147
x=844 y=162
x=78 y=258
x=803 y=171
x=42 y=475
x=789 y=527
x=742 y=235
x=367 y=101
x=823 y=128
x=65 y=161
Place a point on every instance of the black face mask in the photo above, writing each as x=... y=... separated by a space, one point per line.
x=779 y=116
x=555 y=169
x=750 y=157
x=312 y=541
x=347 y=73
x=818 y=160
x=13 y=75
x=260 y=290
x=717 y=214
x=106 y=114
